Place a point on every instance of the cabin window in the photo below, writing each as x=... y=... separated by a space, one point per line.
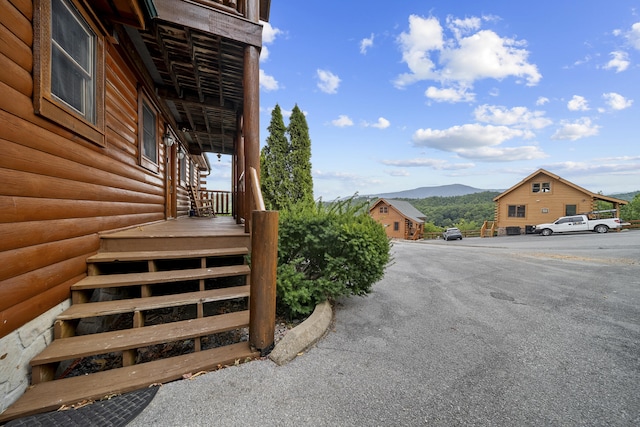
x=147 y=134
x=183 y=168
x=396 y=226
x=384 y=209
x=516 y=211
x=69 y=69
x=540 y=187
x=570 y=210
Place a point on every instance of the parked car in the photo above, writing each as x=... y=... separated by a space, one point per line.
x=452 y=233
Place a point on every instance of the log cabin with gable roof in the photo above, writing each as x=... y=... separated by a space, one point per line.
x=543 y=197
x=107 y=111
x=400 y=219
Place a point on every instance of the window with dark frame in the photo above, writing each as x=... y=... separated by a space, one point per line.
x=384 y=209
x=68 y=68
x=396 y=226
x=516 y=211
x=148 y=134
x=570 y=210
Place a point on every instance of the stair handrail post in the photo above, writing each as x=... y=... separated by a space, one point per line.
x=264 y=261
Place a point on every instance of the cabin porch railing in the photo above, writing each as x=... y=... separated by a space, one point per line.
x=222 y=201
x=236 y=7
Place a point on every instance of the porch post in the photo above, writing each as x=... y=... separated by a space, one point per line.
x=251 y=111
x=239 y=202
x=264 y=260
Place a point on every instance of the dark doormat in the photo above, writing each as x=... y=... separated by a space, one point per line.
x=115 y=412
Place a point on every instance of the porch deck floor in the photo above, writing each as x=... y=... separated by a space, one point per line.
x=183 y=227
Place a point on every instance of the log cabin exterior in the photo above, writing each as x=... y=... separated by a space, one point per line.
x=400 y=219
x=543 y=197
x=107 y=111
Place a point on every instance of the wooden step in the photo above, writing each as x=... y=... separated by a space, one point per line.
x=106 y=308
x=150 y=278
x=106 y=342
x=51 y=395
x=170 y=243
x=154 y=255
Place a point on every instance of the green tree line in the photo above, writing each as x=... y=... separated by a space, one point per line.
x=468 y=211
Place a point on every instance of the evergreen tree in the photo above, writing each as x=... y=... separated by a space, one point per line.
x=300 y=158
x=275 y=177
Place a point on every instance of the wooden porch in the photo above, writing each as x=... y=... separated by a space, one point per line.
x=194 y=268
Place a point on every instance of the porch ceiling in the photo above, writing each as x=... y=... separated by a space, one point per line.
x=195 y=55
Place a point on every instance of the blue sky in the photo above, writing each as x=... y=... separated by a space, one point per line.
x=407 y=94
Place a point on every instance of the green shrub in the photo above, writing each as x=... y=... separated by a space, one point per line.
x=325 y=252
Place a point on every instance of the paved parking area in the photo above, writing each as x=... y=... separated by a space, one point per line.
x=510 y=331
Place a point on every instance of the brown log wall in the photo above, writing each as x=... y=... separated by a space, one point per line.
x=58 y=190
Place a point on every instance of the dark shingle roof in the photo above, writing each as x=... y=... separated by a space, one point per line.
x=407 y=209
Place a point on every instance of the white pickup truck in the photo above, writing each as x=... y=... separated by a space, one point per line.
x=583 y=222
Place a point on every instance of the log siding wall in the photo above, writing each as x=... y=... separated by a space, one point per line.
x=58 y=190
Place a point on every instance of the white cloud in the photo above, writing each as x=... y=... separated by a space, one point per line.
x=471 y=54
x=618 y=62
x=542 y=100
x=268 y=82
x=573 y=131
x=503 y=154
x=382 y=123
x=328 y=82
x=425 y=35
x=596 y=166
x=633 y=36
x=578 y=103
x=351 y=178
x=615 y=101
x=519 y=117
x=342 y=121
x=398 y=172
x=468 y=136
x=451 y=95
x=365 y=44
x=437 y=164
x=269 y=34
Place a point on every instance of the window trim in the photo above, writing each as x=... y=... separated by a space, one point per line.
x=45 y=103
x=145 y=161
x=516 y=209
x=384 y=209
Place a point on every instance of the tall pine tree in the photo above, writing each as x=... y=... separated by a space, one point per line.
x=285 y=164
x=300 y=158
x=275 y=177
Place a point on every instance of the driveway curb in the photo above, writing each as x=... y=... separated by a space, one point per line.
x=304 y=335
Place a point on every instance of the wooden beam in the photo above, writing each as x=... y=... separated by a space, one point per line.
x=210 y=20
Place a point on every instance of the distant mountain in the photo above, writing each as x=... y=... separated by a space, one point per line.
x=438 y=191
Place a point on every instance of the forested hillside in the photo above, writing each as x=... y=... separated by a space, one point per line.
x=468 y=211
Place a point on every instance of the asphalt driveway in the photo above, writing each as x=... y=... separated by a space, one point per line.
x=509 y=331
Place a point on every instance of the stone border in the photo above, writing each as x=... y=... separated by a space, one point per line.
x=304 y=335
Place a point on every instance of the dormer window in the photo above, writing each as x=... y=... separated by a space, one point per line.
x=541 y=187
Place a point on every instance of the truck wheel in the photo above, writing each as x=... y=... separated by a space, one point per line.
x=546 y=232
x=601 y=228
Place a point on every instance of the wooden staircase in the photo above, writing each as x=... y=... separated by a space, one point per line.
x=200 y=285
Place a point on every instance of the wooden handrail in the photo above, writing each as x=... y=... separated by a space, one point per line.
x=257 y=193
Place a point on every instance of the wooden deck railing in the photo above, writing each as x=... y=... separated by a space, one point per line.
x=222 y=201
